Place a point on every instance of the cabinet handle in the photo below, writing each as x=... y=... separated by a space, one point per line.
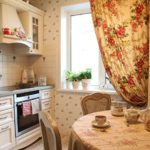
x=1 y=104
x=46 y=104
x=46 y=94
x=2 y=118
x=5 y=128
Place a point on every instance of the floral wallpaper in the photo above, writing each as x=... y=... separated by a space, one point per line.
x=68 y=107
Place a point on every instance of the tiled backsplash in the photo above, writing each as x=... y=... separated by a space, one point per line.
x=11 y=66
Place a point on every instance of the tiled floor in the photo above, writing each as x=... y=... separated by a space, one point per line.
x=39 y=145
x=36 y=146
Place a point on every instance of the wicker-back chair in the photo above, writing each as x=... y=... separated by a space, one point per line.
x=95 y=102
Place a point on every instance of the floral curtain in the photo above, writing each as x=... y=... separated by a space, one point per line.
x=122 y=32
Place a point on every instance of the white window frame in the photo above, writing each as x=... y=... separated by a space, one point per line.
x=66 y=13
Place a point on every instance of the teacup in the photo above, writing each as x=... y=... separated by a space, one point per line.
x=147 y=125
x=100 y=119
x=117 y=110
x=132 y=115
x=145 y=117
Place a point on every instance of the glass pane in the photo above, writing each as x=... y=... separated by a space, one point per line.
x=34 y=46
x=36 y=21
x=33 y=20
x=35 y=33
x=37 y=47
x=108 y=82
x=84 y=46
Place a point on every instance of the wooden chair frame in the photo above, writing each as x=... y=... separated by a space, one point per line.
x=95 y=97
x=49 y=126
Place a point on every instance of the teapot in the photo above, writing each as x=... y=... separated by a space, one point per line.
x=132 y=115
x=145 y=117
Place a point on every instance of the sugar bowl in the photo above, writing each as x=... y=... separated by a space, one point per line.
x=132 y=115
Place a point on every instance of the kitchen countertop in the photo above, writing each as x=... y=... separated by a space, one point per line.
x=10 y=90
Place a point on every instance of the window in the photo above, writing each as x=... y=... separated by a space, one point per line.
x=80 y=50
x=84 y=50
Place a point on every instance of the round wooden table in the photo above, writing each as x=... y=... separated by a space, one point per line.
x=119 y=136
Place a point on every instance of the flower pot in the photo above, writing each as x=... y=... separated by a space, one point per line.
x=68 y=84
x=85 y=83
x=75 y=84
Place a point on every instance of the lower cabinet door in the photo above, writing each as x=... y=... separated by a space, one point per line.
x=7 y=136
x=45 y=104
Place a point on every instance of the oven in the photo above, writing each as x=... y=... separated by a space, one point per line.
x=24 y=124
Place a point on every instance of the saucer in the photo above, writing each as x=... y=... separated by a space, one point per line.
x=117 y=114
x=105 y=125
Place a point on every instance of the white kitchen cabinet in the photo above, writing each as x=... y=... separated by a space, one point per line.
x=6 y=102
x=6 y=116
x=46 y=104
x=33 y=26
x=46 y=99
x=46 y=94
x=7 y=136
x=7 y=133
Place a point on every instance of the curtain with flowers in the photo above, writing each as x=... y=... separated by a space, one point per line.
x=122 y=32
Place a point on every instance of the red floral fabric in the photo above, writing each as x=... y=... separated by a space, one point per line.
x=122 y=33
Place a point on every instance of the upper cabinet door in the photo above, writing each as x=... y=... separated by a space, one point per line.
x=33 y=25
x=37 y=33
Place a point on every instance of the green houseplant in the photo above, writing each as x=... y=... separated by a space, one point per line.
x=85 y=76
x=68 y=75
x=75 y=78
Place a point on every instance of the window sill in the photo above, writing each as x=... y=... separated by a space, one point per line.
x=89 y=90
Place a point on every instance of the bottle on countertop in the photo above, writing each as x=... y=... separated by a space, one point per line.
x=24 y=76
x=31 y=76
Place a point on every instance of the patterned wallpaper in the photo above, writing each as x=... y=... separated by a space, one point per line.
x=68 y=108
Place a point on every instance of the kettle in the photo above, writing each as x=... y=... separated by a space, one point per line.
x=145 y=117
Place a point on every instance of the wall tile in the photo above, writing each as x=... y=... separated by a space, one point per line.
x=9 y=68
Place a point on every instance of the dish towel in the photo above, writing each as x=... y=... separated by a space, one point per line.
x=35 y=106
x=26 y=108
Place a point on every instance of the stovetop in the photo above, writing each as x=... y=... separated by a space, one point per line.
x=9 y=90
x=18 y=87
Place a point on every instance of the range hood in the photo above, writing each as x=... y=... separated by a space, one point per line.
x=9 y=20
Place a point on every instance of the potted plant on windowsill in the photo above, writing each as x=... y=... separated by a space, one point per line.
x=68 y=75
x=85 y=76
x=75 y=78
